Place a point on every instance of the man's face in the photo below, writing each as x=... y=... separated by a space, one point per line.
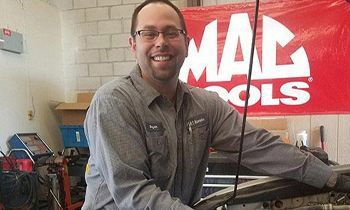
x=160 y=60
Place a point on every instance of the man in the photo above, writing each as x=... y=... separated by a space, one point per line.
x=149 y=133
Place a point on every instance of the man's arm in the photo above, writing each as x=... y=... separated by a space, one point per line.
x=120 y=156
x=263 y=152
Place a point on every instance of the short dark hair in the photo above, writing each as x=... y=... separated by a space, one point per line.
x=167 y=2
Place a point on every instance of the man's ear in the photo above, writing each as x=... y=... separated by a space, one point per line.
x=132 y=44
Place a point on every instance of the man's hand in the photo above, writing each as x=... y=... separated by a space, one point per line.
x=342 y=184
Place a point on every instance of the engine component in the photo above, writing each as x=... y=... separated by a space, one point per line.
x=273 y=193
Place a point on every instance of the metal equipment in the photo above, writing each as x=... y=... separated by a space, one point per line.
x=63 y=193
x=274 y=193
x=31 y=144
x=18 y=183
x=221 y=172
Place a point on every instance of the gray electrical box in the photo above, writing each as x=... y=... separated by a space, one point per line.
x=11 y=41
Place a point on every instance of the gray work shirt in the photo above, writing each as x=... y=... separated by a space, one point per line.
x=147 y=153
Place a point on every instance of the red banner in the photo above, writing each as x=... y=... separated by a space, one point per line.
x=301 y=60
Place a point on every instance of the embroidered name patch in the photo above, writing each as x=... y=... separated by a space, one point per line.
x=197 y=121
x=154 y=127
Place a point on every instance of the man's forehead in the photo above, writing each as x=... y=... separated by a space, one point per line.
x=149 y=11
x=158 y=5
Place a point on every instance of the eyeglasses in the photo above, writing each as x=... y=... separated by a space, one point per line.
x=152 y=35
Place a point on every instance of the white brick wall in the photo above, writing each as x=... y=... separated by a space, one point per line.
x=89 y=83
x=89 y=28
x=123 y=68
x=71 y=71
x=62 y=4
x=100 y=13
x=95 y=41
x=120 y=40
x=81 y=69
x=101 y=69
x=113 y=54
x=110 y=27
x=98 y=42
x=104 y=80
x=108 y=2
x=81 y=43
x=128 y=55
x=87 y=56
x=132 y=1
x=176 y=3
x=126 y=25
x=71 y=86
x=69 y=57
x=73 y=16
x=209 y=2
x=124 y=11
x=84 y=3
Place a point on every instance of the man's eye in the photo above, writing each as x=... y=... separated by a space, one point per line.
x=172 y=34
x=149 y=34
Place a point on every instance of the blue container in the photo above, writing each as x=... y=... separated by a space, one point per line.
x=73 y=136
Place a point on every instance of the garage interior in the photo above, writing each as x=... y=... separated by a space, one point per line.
x=59 y=54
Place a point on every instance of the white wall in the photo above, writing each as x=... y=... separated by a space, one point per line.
x=32 y=80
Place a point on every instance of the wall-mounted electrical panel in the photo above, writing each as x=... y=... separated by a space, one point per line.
x=11 y=41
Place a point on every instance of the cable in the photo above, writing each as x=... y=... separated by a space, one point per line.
x=17 y=189
x=246 y=99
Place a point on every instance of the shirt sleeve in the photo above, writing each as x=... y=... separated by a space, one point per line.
x=262 y=151
x=119 y=156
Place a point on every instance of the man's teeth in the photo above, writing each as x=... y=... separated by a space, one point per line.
x=161 y=58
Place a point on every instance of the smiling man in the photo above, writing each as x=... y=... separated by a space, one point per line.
x=159 y=43
x=149 y=133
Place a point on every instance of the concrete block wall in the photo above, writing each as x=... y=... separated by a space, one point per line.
x=95 y=42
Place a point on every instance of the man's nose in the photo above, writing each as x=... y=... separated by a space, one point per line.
x=161 y=40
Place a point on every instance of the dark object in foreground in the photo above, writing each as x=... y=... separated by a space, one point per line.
x=264 y=192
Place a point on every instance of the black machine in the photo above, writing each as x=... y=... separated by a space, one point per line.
x=19 y=178
x=31 y=177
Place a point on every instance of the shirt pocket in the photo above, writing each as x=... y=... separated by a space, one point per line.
x=198 y=145
x=158 y=153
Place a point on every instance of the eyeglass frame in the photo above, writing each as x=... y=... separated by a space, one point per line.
x=180 y=31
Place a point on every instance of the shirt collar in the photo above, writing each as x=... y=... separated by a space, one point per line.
x=148 y=92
